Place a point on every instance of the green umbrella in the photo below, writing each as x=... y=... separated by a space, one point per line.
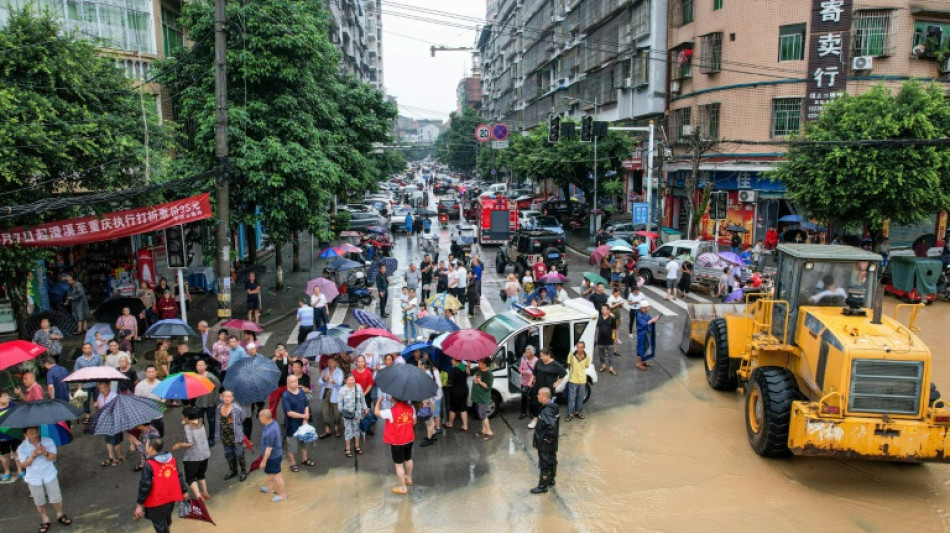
x=595 y=279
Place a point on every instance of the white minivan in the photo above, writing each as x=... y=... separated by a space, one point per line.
x=561 y=327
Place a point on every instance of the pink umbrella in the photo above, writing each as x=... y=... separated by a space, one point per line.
x=599 y=253
x=349 y=248
x=92 y=374
x=327 y=288
x=16 y=352
x=246 y=325
x=469 y=345
x=553 y=277
x=350 y=233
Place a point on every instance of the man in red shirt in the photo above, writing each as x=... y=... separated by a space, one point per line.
x=399 y=434
x=162 y=485
x=539 y=270
x=33 y=390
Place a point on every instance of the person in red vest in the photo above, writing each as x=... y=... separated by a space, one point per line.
x=162 y=485
x=399 y=434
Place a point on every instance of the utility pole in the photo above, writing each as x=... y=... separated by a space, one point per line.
x=595 y=219
x=223 y=164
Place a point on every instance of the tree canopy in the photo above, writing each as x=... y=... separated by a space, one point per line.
x=455 y=146
x=903 y=182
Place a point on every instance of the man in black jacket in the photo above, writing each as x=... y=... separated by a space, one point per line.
x=382 y=286
x=161 y=486
x=545 y=440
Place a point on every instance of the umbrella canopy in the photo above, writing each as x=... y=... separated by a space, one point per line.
x=184 y=386
x=650 y=234
x=791 y=218
x=928 y=240
x=358 y=337
x=59 y=433
x=422 y=346
x=709 y=259
x=252 y=379
x=622 y=249
x=731 y=257
x=103 y=329
x=189 y=360
x=617 y=242
x=599 y=253
x=379 y=230
x=595 y=279
x=60 y=318
x=369 y=318
x=170 y=327
x=321 y=345
x=553 y=277
x=406 y=382
x=246 y=325
x=349 y=248
x=811 y=226
x=327 y=288
x=390 y=263
x=736 y=229
x=111 y=309
x=380 y=345
x=13 y=353
x=332 y=251
x=39 y=413
x=469 y=345
x=333 y=330
x=444 y=300
x=350 y=233
x=124 y=412
x=437 y=323
x=95 y=374
x=342 y=265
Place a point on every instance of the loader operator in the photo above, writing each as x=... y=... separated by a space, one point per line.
x=831 y=292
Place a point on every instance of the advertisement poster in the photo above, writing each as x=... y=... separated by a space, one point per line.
x=738 y=214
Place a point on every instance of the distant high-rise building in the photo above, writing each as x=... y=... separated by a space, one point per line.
x=470 y=93
x=349 y=32
x=374 y=42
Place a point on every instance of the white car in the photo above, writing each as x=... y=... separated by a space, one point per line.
x=524 y=218
x=560 y=328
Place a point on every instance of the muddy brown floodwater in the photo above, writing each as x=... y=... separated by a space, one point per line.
x=678 y=460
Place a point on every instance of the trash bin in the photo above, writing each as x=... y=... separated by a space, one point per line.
x=670 y=234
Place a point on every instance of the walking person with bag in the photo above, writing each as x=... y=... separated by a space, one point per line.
x=196 y=454
x=546 y=440
x=296 y=412
x=352 y=409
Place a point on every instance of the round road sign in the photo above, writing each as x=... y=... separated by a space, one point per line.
x=483 y=133
x=499 y=132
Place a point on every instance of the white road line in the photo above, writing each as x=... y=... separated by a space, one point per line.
x=395 y=319
x=339 y=315
x=292 y=339
x=485 y=307
x=659 y=294
x=698 y=298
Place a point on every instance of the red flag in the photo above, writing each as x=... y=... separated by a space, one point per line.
x=256 y=465
x=248 y=444
x=197 y=511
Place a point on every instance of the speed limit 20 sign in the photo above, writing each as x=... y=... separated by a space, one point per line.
x=483 y=133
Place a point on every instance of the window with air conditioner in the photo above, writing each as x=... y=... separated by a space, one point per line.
x=871 y=33
x=931 y=35
x=678 y=119
x=791 y=42
x=710 y=60
x=786 y=116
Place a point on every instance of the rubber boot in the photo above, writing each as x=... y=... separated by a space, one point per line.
x=542 y=483
x=243 y=468
x=233 y=473
x=553 y=475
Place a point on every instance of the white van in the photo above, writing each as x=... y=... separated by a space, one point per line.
x=561 y=327
x=498 y=188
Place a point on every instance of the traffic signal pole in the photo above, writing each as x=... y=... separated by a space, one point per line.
x=222 y=196
x=652 y=146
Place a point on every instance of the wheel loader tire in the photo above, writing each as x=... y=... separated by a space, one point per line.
x=769 y=398
x=718 y=374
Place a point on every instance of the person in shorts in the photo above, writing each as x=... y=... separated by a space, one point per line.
x=197 y=452
x=38 y=456
x=8 y=444
x=253 y=289
x=481 y=397
x=399 y=434
x=672 y=276
x=272 y=455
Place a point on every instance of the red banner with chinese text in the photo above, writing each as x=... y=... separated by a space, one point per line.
x=111 y=225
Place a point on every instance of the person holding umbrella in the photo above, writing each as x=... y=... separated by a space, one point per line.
x=162 y=485
x=113 y=442
x=8 y=443
x=38 y=456
x=87 y=359
x=399 y=434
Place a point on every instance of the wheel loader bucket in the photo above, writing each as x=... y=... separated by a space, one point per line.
x=698 y=317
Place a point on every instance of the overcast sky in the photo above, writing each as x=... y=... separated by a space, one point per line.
x=425 y=86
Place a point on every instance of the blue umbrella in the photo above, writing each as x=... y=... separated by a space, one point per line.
x=170 y=327
x=369 y=318
x=813 y=227
x=100 y=328
x=391 y=265
x=424 y=346
x=332 y=251
x=124 y=412
x=252 y=379
x=342 y=264
x=437 y=323
x=791 y=218
x=537 y=291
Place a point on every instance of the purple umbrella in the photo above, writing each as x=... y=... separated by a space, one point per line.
x=731 y=257
x=553 y=277
x=327 y=288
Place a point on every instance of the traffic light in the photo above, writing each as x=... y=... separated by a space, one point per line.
x=587 y=129
x=554 y=129
x=175 y=246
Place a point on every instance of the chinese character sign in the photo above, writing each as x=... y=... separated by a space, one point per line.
x=111 y=225
x=827 y=54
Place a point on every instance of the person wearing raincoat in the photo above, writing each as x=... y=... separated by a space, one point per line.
x=646 y=336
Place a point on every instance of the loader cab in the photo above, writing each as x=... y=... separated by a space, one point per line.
x=822 y=276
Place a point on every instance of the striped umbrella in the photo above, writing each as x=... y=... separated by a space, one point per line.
x=124 y=412
x=321 y=345
x=184 y=386
x=252 y=379
x=369 y=318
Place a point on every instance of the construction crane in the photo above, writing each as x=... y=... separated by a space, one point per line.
x=434 y=49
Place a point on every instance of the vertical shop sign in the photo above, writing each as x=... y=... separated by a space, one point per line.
x=829 y=39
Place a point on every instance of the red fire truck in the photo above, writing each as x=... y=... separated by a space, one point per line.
x=497 y=219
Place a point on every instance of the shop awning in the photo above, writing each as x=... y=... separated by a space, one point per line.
x=111 y=225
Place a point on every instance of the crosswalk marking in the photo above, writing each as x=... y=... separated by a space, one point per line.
x=698 y=298
x=660 y=294
x=292 y=339
x=660 y=308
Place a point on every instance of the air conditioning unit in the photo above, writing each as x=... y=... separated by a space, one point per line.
x=862 y=63
x=944 y=66
x=686 y=130
x=628 y=83
x=747 y=196
x=674 y=87
x=561 y=83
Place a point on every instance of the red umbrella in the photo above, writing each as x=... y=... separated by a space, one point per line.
x=469 y=345
x=194 y=509
x=246 y=325
x=358 y=337
x=599 y=253
x=93 y=374
x=15 y=352
x=256 y=464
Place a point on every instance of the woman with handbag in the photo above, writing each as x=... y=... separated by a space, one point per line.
x=352 y=409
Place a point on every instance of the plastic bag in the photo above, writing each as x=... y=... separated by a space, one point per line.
x=306 y=433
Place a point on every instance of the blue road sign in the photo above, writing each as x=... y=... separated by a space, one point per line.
x=641 y=213
x=500 y=132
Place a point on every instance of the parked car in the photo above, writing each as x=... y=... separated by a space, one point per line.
x=524 y=218
x=359 y=221
x=547 y=223
x=397 y=220
x=526 y=247
x=628 y=230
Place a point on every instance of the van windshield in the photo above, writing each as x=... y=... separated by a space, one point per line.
x=500 y=326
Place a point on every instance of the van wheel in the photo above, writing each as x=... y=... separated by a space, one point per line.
x=588 y=390
x=495 y=406
x=769 y=409
x=647 y=277
x=716 y=361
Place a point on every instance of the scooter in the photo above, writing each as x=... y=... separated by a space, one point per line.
x=444 y=220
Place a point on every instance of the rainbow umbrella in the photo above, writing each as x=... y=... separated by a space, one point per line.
x=59 y=433
x=183 y=386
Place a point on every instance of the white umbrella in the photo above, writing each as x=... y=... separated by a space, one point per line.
x=380 y=345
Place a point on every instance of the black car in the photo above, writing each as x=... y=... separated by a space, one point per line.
x=450 y=206
x=527 y=246
x=441 y=187
x=561 y=208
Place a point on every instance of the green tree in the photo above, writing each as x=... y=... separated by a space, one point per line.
x=900 y=181
x=69 y=122
x=455 y=147
x=388 y=162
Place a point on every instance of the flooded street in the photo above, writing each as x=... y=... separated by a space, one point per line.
x=671 y=458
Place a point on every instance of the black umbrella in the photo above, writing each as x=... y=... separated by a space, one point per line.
x=792 y=234
x=187 y=362
x=60 y=318
x=737 y=229
x=252 y=379
x=39 y=413
x=923 y=243
x=111 y=309
x=406 y=382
